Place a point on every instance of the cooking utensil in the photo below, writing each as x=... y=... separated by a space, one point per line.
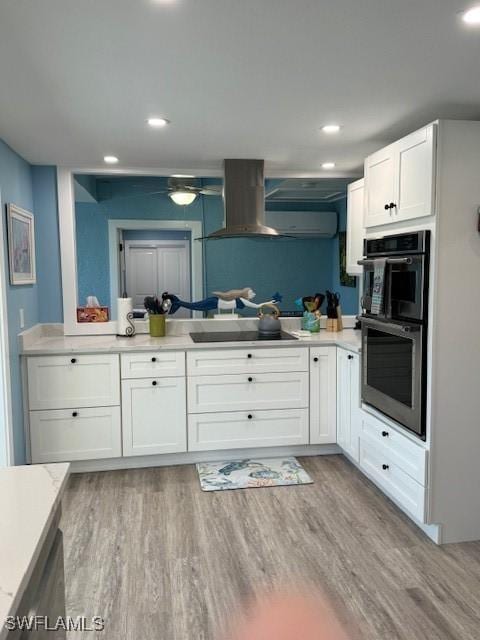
x=269 y=324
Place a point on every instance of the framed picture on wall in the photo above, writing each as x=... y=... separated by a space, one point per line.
x=21 y=245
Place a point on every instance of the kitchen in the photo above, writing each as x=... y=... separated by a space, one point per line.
x=120 y=443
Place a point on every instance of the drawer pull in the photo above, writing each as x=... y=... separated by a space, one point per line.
x=250 y=379
x=315 y=359
x=385 y=467
x=350 y=357
x=73 y=360
x=250 y=416
x=74 y=414
x=154 y=359
x=385 y=434
x=249 y=355
x=154 y=383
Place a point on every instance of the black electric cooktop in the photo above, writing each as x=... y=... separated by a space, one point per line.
x=237 y=336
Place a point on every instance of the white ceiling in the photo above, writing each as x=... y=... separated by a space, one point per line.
x=237 y=78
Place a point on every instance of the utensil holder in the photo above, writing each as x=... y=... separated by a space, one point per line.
x=311 y=321
x=157 y=325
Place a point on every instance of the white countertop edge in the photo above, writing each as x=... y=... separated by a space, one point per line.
x=12 y=594
x=347 y=339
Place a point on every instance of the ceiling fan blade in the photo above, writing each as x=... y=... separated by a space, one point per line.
x=212 y=190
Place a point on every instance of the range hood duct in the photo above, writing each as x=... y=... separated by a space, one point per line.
x=244 y=201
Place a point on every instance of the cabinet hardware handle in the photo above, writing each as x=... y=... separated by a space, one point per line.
x=73 y=360
x=387 y=207
x=350 y=357
x=154 y=359
x=385 y=434
x=385 y=467
x=74 y=414
x=315 y=359
x=249 y=355
x=392 y=205
x=249 y=416
x=154 y=383
x=250 y=379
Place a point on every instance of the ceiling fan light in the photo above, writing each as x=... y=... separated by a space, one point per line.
x=182 y=198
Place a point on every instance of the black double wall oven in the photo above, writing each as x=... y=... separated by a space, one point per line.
x=394 y=333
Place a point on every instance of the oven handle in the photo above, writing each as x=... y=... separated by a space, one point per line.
x=378 y=324
x=388 y=260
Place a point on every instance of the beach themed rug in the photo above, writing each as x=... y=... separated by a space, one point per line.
x=248 y=474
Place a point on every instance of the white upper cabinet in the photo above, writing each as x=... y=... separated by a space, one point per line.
x=355 y=228
x=415 y=175
x=400 y=179
x=380 y=186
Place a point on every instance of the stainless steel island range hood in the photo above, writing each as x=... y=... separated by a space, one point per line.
x=244 y=201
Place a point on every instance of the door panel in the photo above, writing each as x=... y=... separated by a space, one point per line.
x=380 y=181
x=323 y=401
x=142 y=278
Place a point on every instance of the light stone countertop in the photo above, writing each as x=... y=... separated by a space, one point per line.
x=57 y=345
x=29 y=498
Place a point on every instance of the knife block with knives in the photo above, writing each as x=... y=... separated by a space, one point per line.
x=334 y=312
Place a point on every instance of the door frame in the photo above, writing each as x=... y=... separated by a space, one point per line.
x=159 y=244
x=196 y=251
x=5 y=381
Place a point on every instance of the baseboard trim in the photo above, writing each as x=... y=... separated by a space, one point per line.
x=171 y=459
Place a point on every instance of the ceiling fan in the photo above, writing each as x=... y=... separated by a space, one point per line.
x=183 y=191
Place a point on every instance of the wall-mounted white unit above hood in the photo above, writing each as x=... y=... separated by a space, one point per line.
x=303 y=224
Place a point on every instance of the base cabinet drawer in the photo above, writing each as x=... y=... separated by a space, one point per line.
x=247 y=392
x=235 y=430
x=154 y=416
x=254 y=360
x=148 y=365
x=81 y=434
x=408 y=493
x=70 y=382
x=406 y=454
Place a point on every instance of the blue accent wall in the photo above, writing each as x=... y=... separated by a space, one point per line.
x=49 y=277
x=16 y=187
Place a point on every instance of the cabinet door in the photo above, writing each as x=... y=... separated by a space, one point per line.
x=415 y=175
x=323 y=406
x=355 y=228
x=210 y=394
x=64 y=382
x=343 y=400
x=355 y=407
x=64 y=435
x=154 y=416
x=380 y=186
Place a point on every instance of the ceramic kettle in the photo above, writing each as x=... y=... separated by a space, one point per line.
x=269 y=323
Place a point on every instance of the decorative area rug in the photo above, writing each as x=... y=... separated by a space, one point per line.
x=248 y=474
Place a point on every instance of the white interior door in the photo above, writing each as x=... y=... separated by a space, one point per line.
x=153 y=268
x=142 y=275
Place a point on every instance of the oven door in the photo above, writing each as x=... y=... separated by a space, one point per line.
x=393 y=371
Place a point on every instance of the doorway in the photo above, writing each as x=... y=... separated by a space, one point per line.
x=153 y=266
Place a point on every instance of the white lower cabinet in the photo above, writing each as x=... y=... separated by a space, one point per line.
x=238 y=429
x=154 y=416
x=348 y=402
x=245 y=392
x=323 y=407
x=80 y=434
x=376 y=463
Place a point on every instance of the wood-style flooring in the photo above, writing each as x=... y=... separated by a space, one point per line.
x=160 y=559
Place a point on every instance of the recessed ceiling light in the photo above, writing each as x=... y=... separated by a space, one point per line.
x=110 y=159
x=331 y=128
x=472 y=16
x=181 y=175
x=157 y=123
x=182 y=198
x=328 y=165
